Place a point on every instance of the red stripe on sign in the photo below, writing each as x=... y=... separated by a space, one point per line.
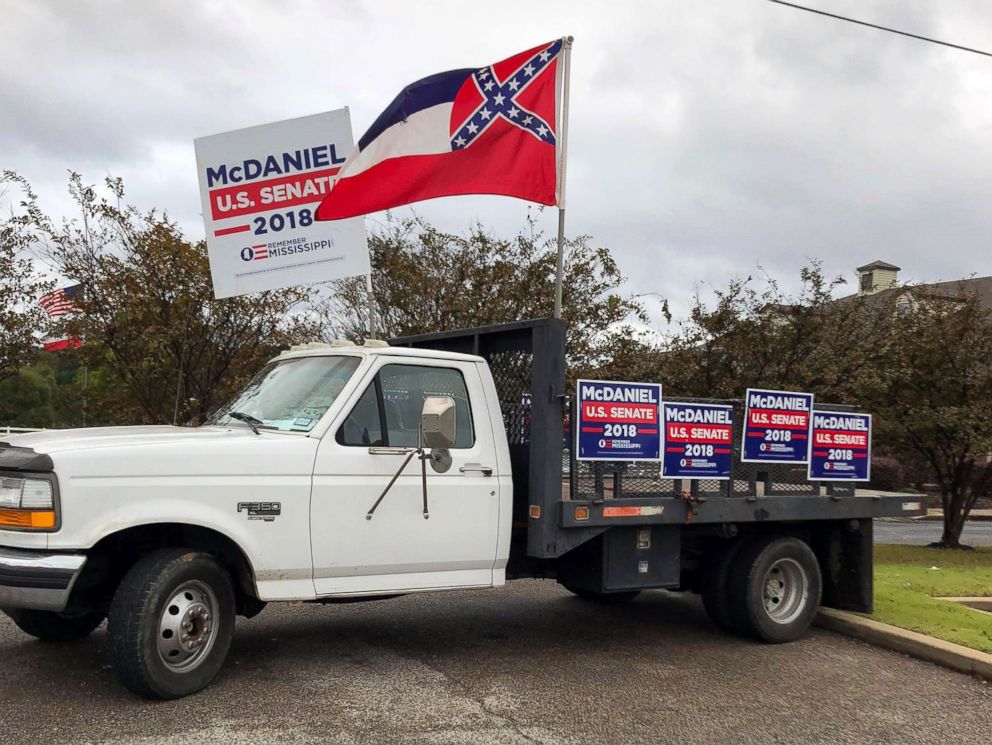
x=840 y=438
x=861 y=455
x=796 y=412
x=625 y=413
x=701 y=440
x=275 y=193
x=778 y=419
x=228 y=231
x=722 y=451
x=647 y=431
x=674 y=450
x=592 y=429
x=261 y=245
x=820 y=453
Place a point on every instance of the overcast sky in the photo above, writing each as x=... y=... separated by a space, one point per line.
x=706 y=138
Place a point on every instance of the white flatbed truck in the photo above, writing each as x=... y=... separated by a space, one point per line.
x=347 y=472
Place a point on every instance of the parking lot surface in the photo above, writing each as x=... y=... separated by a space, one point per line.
x=524 y=664
x=922 y=532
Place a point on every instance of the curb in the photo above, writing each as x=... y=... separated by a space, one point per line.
x=921 y=646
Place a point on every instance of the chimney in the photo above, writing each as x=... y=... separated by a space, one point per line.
x=877 y=276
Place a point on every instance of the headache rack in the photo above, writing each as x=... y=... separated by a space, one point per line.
x=560 y=502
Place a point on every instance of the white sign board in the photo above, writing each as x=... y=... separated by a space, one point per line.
x=260 y=188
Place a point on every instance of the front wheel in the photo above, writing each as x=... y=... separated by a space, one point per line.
x=49 y=626
x=171 y=623
x=774 y=588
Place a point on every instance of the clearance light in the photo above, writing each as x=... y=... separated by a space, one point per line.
x=581 y=513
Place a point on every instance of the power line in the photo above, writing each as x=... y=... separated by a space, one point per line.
x=881 y=28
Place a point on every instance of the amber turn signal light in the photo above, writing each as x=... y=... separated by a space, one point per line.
x=31 y=519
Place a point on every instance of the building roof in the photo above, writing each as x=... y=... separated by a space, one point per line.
x=878 y=264
x=980 y=286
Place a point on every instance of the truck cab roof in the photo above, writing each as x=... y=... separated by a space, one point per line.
x=322 y=349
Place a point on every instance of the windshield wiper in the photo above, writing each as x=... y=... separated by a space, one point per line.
x=247 y=419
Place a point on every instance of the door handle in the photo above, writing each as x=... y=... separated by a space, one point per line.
x=476 y=467
x=378 y=450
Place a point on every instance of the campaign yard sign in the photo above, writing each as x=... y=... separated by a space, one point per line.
x=260 y=188
x=698 y=441
x=841 y=447
x=618 y=421
x=776 y=426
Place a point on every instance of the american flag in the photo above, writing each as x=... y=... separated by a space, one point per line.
x=57 y=304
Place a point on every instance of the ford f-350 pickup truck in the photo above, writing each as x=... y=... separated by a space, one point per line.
x=346 y=472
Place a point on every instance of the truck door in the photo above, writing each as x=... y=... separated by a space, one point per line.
x=398 y=549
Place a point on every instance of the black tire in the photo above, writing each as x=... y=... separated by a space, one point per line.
x=145 y=601
x=49 y=626
x=714 y=590
x=605 y=598
x=765 y=569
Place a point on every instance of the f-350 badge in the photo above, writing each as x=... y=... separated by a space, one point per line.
x=267 y=511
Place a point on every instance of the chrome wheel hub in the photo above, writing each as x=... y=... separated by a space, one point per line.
x=186 y=628
x=785 y=591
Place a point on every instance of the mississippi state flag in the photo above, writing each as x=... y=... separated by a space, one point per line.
x=489 y=130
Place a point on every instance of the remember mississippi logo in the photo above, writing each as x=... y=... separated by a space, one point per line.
x=283 y=248
x=255 y=253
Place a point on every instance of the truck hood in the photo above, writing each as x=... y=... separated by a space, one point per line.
x=62 y=440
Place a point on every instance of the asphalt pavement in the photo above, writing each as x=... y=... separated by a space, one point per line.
x=922 y=532
x=523 y=664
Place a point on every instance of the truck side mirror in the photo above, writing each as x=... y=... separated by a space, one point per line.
x=437 y=432
x=437 y=422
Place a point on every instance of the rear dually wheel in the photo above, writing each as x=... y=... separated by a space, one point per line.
x=773 y=589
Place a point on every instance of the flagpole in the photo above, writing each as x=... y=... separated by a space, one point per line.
x=371 y=299
x=566 y=62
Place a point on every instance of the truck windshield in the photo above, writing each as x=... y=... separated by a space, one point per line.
x=291 y=395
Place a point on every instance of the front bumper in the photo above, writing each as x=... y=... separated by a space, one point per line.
x=37 y=580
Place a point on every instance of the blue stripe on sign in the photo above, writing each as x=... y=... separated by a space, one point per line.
x=437 y=89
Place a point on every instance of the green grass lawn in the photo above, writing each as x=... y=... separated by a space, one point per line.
x=906 y=583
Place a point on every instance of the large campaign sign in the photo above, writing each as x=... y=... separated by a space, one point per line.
x=698 y=441
x=776 y=426
x=841 y=449
x=260 y=188
x=618 y=421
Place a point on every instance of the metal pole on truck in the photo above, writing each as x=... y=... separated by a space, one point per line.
x=566 y=61
x=368 y=289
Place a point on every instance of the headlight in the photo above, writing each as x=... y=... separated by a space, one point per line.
x=27 y=503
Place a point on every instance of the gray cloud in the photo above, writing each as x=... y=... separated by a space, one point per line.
x=706 y=138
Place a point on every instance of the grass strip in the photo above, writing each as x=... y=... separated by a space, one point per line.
x=909 y=578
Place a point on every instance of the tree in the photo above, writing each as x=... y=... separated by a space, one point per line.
x=166 y=349
x=22 y=320
x=427 y=280
x=757 y=335
x=933 y=394
x=924 y=368
x=26 y=399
